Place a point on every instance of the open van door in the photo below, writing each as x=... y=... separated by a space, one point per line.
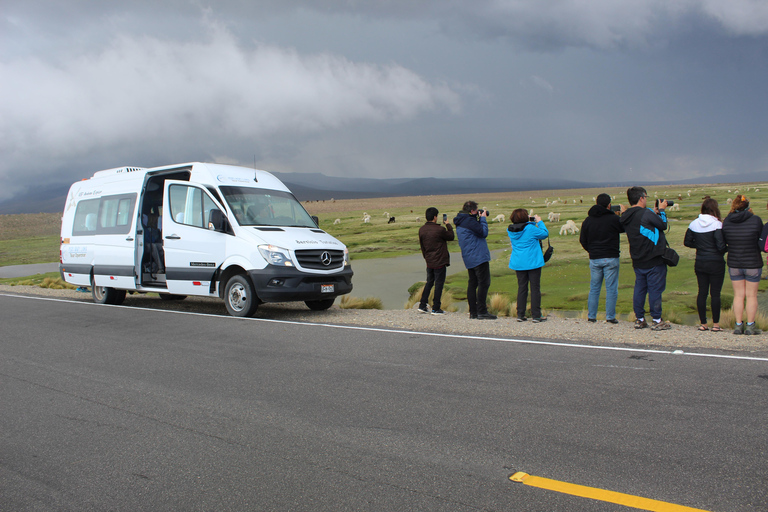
x=193 y=248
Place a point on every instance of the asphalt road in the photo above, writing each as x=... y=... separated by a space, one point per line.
x=111 y=408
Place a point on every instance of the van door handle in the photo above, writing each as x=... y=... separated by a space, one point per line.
x=129 y=239
x=173 y=237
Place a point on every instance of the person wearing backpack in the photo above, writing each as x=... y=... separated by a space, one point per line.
x=705 y=234
x=741 y=230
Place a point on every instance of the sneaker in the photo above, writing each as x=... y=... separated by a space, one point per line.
x=438 y=312
x=423 y=309
x=539 y=320
x=473 y=316
x=641 y=324
x=612 y=321
x=739 y=329
x=592 y=320
x=751 y=330
x=486 y=316
x=521 y=319
x=661 y=326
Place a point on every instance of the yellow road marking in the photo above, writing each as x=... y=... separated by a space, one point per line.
x=600 y=494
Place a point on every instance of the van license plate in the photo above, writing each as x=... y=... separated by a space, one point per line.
x=327 y=288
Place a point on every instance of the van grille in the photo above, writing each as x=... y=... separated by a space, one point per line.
x=313 y=259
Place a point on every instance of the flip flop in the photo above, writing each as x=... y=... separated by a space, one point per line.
x=703 y=328
x=716 y=329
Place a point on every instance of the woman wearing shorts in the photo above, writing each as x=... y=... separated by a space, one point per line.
x=741 y=230
x=705 y=234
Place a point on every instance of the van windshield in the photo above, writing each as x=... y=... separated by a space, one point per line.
x=258 y=207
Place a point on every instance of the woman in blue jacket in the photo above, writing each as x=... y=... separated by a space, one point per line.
x=527 y=260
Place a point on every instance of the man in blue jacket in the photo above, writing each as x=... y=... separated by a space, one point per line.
x=645 y=233
x=472 y=231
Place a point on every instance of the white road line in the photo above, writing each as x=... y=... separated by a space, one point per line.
x=676 y=352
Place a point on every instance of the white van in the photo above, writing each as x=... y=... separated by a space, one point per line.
x=199 y=229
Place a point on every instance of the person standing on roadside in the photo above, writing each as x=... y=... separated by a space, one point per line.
x=645 y=233
x=525 y=236
x=433 y=240
x=705 y=234
x=472 y=230
x=741 y=231
x=599 y=236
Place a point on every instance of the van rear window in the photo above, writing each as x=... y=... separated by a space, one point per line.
x=109 y=215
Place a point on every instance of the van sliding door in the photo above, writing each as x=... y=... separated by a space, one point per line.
x=192 y=251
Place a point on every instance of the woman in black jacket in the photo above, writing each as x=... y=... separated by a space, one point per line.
x=705 y=234
x=741 y=230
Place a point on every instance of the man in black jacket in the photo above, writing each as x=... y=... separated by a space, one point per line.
x=645 y=233
x=599 y=236
x=433 y=240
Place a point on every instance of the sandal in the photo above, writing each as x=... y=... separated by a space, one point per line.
x=716 y=329
x=704 y=328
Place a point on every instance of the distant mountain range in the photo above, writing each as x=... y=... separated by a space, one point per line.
x=316 y=186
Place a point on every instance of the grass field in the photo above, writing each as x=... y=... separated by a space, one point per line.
x=34 y=238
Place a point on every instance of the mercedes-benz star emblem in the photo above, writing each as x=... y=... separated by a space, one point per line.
x=325 y=258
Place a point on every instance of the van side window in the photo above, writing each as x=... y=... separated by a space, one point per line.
x=85 y=217
x=190 y=205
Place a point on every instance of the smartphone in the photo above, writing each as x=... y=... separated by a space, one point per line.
x=445 y=217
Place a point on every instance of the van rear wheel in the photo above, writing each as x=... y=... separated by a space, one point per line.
x=239 y=297
x=319 y=305
x=106 y=295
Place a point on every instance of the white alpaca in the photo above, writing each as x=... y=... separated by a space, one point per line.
x=569 y=228
x=554 y=217
x=499 y=218
x=729 y=200
x=367 y=218
x=386 y=214
x=337 y=221
x=674 y=208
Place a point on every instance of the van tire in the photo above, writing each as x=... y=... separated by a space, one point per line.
x=319 y=305
x=172 y=296
x=239 y=297
x=106 y=295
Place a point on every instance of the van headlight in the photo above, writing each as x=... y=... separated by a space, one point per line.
x=276 y=255
x=346 y=257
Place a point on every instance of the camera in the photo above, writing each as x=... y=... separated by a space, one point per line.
x=669 y=202
x=487 y=213
x=531 y=219
x=615 y=207
x=445 y=217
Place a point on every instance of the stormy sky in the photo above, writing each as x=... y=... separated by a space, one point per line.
x=583 y=89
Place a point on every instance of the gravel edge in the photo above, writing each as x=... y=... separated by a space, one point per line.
x=567 y=330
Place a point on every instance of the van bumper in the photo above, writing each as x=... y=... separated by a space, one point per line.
x=284 y=284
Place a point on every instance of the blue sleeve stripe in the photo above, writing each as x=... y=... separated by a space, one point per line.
x=653 y=236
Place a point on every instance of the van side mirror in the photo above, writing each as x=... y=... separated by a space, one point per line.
x=316 y=220
x=217 y=221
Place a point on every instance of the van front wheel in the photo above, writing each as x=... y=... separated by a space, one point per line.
x=319 y=305
x=106 y=295
x=239 y=297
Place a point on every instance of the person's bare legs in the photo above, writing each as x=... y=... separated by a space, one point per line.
x=751 y=293
x=739 y=291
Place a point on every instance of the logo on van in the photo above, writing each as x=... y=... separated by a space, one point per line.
x=325 y=258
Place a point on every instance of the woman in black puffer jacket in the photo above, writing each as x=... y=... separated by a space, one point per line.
x=741 y=230
x=705 y=234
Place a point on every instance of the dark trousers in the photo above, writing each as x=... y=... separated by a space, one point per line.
x=477 y=288
x=524 y=279
x=651 y=282
x=436 y=278
x=710 y=276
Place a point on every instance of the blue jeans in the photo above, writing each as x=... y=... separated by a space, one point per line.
x=650 y=281
x=607 y=268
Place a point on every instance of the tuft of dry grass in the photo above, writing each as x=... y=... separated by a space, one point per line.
x=349 y=302
x=447 y=300
x=500 y=305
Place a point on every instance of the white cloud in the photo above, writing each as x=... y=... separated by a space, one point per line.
x=145 y=90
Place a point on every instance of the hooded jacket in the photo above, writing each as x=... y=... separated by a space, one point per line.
x=705 y=234
x=741 y=230
x=599 y=234
x=526 y=246
x=645 y=234
x=472 y=230
x=433 y=239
